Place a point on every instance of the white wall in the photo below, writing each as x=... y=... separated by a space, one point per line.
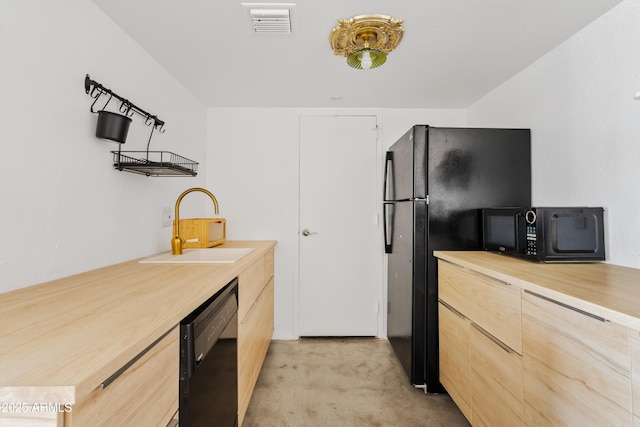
x=63 y=208
x=252 y=169
x=578 y=101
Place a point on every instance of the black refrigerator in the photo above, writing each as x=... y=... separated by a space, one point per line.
x=435 y=182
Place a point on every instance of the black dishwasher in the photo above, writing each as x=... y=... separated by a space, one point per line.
x=209 y=362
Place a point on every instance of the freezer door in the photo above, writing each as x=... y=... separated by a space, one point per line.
x=405 y=169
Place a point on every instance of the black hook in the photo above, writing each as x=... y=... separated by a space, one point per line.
x=157 y=123
x=96 y=92
x=125 y=108
x=149 y=120
x=149 y=142
x=108 y=100
x=97 y=89
x=94 y=102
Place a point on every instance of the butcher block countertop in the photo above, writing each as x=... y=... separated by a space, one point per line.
x=606 y=290
x=61 y=339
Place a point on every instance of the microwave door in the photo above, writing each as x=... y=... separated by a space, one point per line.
x=503 y=230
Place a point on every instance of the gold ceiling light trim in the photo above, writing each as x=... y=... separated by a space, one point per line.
x=366 y=39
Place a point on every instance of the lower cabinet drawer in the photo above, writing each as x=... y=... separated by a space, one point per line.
x=454 y=356
x=496 y=382
x=488 y=302
x=254 y=337
x=577 y=366
x=145 y=394
x=251 y=282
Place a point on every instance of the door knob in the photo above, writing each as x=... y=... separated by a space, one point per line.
x=306 y=232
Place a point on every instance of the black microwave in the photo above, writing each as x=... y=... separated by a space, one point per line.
x=546 y=234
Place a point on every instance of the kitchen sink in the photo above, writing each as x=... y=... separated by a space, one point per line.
x=209 y=255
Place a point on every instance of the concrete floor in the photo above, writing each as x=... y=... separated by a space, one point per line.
x=342 y=382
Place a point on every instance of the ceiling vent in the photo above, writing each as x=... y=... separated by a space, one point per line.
x=270 y=18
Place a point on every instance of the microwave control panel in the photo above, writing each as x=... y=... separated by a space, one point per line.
x=532 y=246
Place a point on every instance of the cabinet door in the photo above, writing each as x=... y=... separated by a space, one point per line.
x=454 y=283
x=496 y=381
x=491 y=303
x=634 y=341
x=254 y=337
x=145 y=394
x=453 y=328
x=251 y=283
x=576 y=366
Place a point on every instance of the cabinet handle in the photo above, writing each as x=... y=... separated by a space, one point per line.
x=122 y=370
x=456 y=312
x=561 y=304
x=477 y=273
x=493 y=280
x=494 y=339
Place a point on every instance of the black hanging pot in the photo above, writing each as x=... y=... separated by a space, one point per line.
x=112 y=126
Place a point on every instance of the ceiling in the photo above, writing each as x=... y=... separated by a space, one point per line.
x=453 y=51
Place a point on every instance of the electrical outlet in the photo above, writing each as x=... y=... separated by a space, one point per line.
x=167 y=216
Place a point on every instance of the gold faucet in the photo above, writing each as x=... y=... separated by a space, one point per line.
x=176 y=242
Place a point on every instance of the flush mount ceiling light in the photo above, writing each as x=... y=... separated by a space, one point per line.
x=366 y=39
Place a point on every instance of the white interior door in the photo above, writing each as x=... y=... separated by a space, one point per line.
x=340 y=271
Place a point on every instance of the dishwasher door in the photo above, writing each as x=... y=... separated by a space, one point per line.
x=209 y=362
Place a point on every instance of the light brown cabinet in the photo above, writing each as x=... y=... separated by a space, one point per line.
x=455 y=367
x=80 y=332
x=580 y=329
x=144 y=393
x=479 y=330
x=496 y=381
x=492 y=304
x=576 y=366
x=255 y=326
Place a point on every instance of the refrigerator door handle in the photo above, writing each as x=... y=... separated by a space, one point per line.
x=387 y=228
x=388 y=167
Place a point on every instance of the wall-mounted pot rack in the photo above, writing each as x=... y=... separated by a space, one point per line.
x=149 y=163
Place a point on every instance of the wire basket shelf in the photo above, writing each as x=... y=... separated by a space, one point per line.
x=154 y=163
